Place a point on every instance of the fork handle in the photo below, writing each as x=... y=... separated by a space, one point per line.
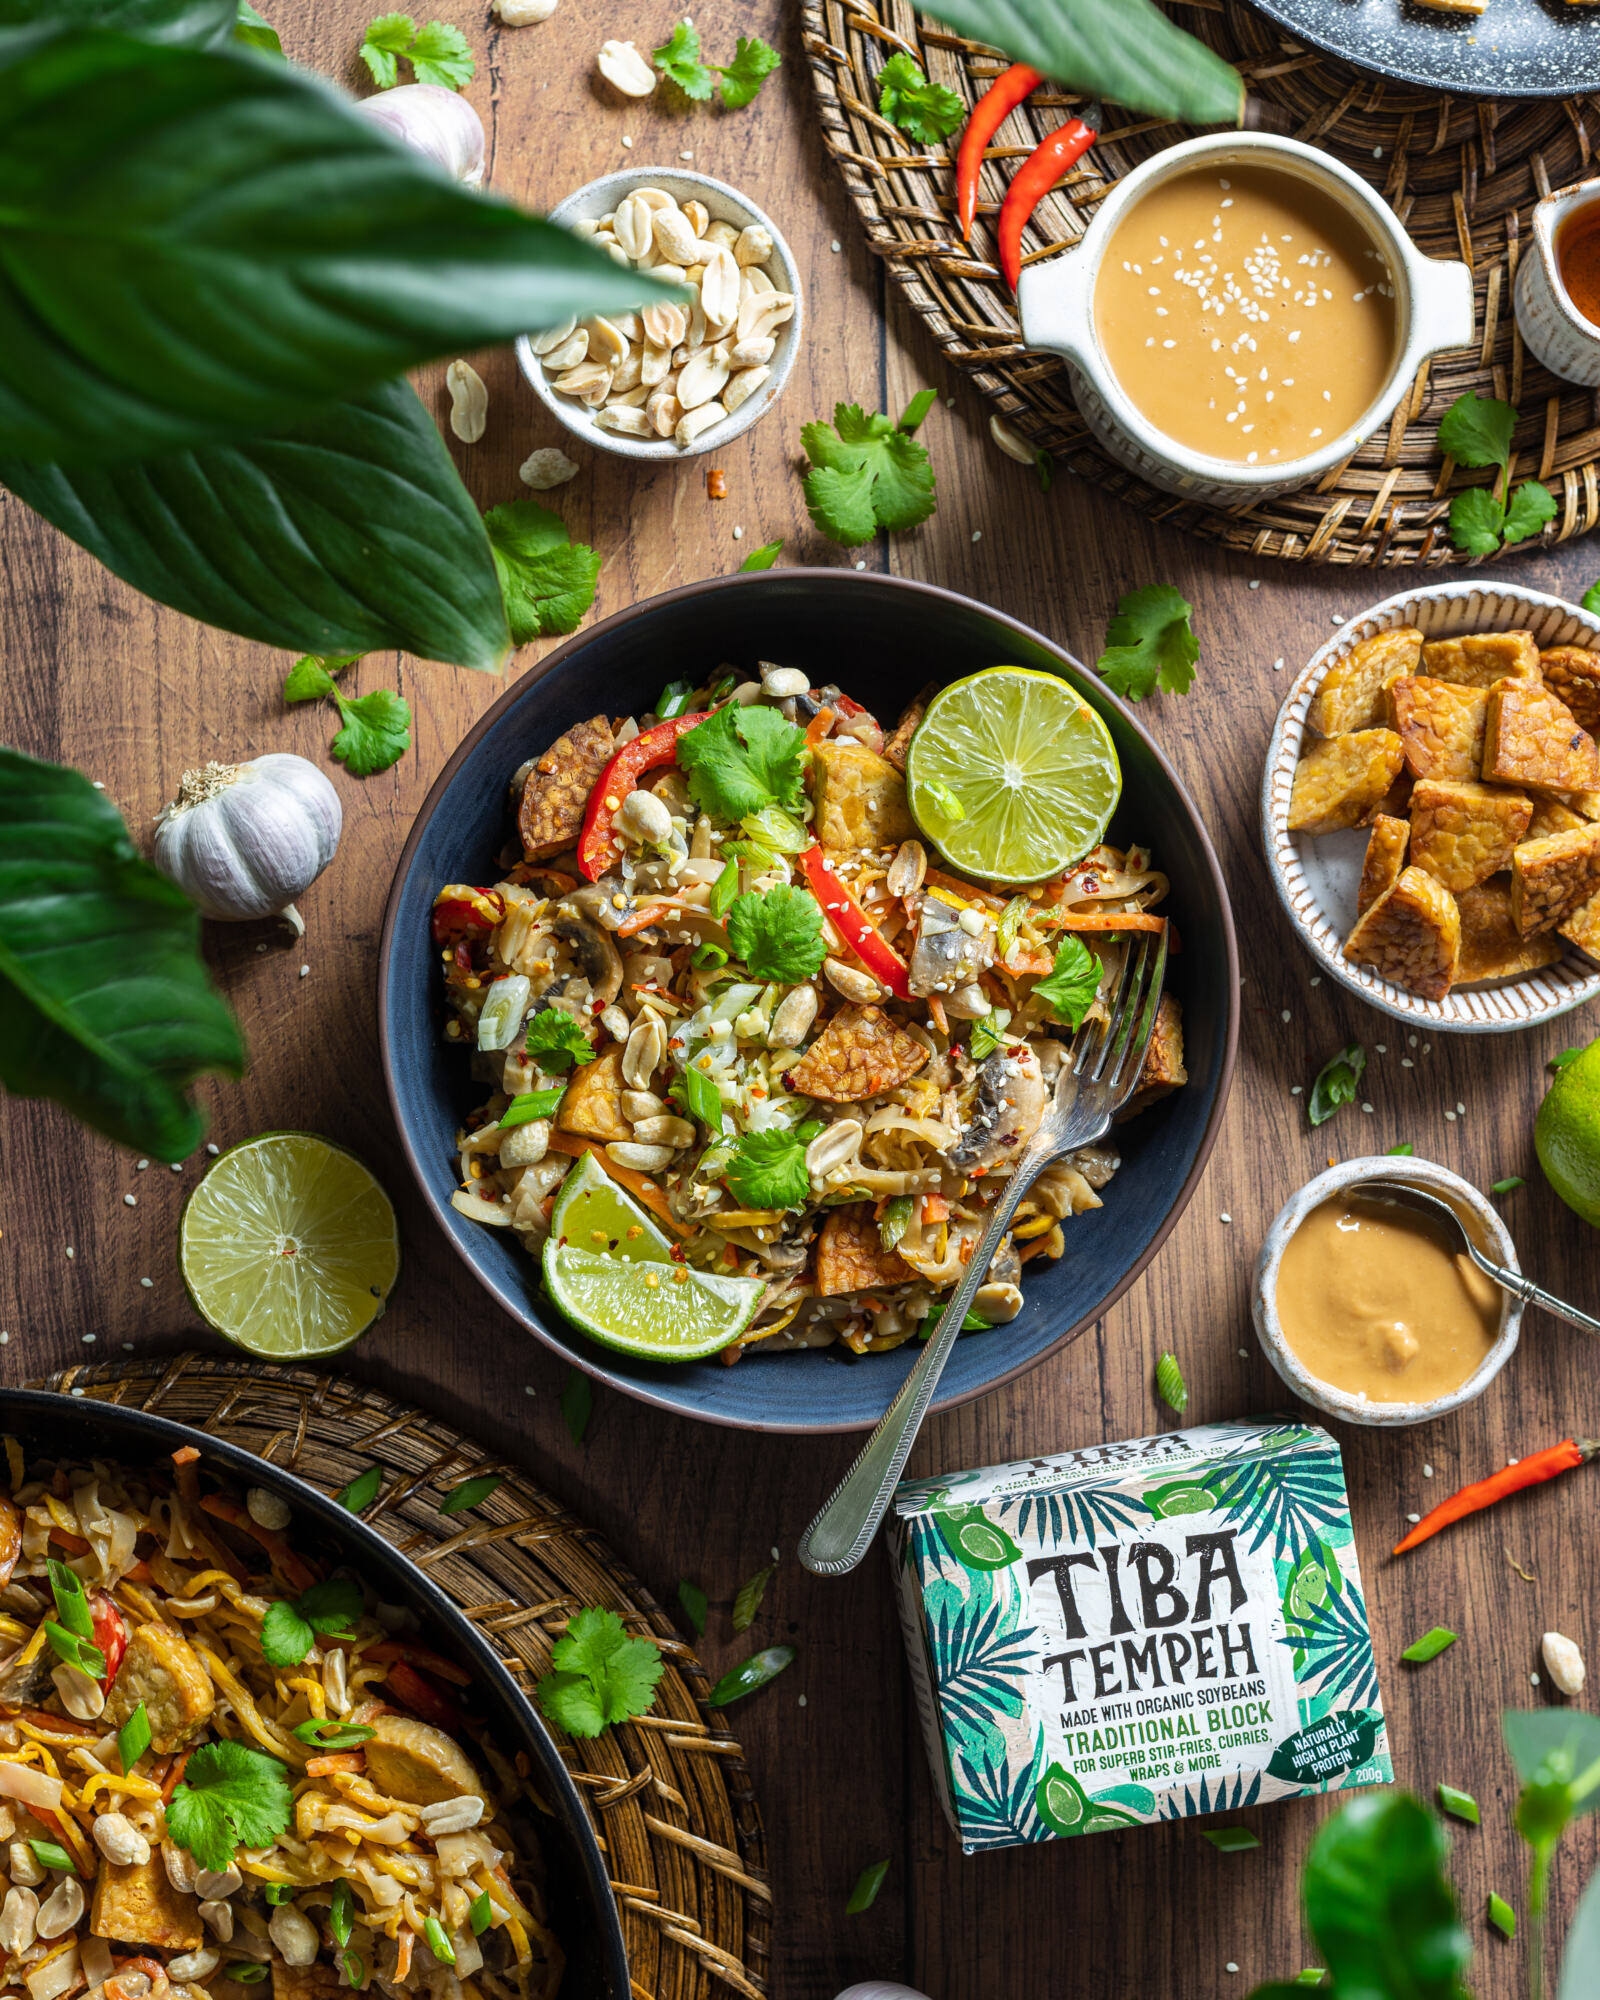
x=843 y=1530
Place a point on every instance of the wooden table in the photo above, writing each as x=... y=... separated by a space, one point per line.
x=97 y=677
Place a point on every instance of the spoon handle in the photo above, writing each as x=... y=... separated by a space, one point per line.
x=1535 y=1295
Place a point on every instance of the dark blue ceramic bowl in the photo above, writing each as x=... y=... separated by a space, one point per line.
x=880 y=638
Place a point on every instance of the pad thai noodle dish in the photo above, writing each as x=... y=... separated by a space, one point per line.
x=760 y=1035
x=222 y=1764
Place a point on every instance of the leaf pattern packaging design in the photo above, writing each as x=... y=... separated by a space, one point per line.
x=1140 y=1631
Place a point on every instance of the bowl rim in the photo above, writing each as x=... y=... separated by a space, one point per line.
x=251 y=1469
x=1455 y=1013
x=653 y=450
x=594 y=1363
x=1335 y=1180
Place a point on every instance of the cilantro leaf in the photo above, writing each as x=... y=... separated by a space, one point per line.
x=924 y=111
x=601 y=1675
x=288 y=1629
x=1149 y=644
x=768 y=1170
x=311 y=676
x=232 y=1796
x=1069 y=987
x=867 y=472
x=778 y=935
x=1476 y=430
x=387 y=38
x=1531 y=506
x=762 y=558
x=1336 y=1083
x=1476 y=521
x=547 y=581
x=1590 y=600
x=753 y=62
x=440 y=55
x=376 y=732
x=741 y=759
x=286 y=1637
x=678 y=59
x=557 y=1040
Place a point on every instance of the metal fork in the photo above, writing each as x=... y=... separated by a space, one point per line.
x=1099 y=1074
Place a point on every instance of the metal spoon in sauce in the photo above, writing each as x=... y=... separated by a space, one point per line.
x=1422 y=1203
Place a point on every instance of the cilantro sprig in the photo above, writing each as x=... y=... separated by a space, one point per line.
x=547 y=580
x=557 y=1040
x=1150 y=644
x=741 y=760
x=437 y=52
x=768 y=1169
x=232 y=1796
x=778 y=935
x=600 y=1675
x=377 y=726
x=1477 y=430
x=289 y=1628
x=679 y=59
x=1337 y=1083
x=1069 y=987
x=924 y=111
x=868 y=472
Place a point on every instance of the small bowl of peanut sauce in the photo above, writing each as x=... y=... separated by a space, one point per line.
x=1369 y=1311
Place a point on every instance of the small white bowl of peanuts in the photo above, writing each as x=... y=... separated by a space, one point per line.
x=673 y=380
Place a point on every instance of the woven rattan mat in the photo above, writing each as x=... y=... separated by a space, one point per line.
x=1461 y=173
x=670 y=1794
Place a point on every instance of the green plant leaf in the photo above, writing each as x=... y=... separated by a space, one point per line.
x=194 y=24
x=1580 y=1959
x=753 y=62
x=1170 y=1385
x=440 y=55
x=1379 y=1904
x=1590 y=600
x=548 y=582
x=386 y=40
x=1531 y=506
x=1336 y=1083
x=105 y=1003
x=196 y=243
x=1477 y=521
x=678 y=60
x=1476 y=430
x=748 y=1601
x=762 y=558
x=1124 y=50
x=1556 y=1746
x=256 y=33
x=1149 y=644
x=351 y=533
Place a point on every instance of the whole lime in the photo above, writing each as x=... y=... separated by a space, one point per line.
x=1567 y=1134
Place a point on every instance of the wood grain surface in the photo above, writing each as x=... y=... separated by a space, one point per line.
x=94 y=675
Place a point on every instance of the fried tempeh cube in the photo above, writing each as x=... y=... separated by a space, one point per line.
x=592 y=1106
x=859 y=1053
x=1551 y=816
x=1341 y=781
x=1554 y=877
x=1163 y=1071
x=1582 y=928
x=135 y=1903
x=557 y=787
x=1463 y=832
x=851 y=1256
x=1386 y=856
x=164 y=1673
x=898 y=742
x=1534 y=739
x=860 y=797
x=1440 y=724
x=1491 y=947
x=1481 y=658
x=1351 y=694
x=1572 y=674
x=1412 y=935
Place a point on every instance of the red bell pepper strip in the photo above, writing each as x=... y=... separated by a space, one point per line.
x=295 y=1572
x=419 y=1656
x=422 y=1698
x=1034 y=179
x=462 y=913
x=110 y=1634
x=854 y=925
x=597 y=844
x=990 y=112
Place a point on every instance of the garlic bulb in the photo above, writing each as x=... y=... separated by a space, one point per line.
x=880 y=1989
x=437 y=123
x=243 y=840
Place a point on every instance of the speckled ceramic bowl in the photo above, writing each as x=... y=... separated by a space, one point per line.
x=1317 y=876
x=1487 y=1231
x=1565 y=340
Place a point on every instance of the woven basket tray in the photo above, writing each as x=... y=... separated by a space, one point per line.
x=669 y=1795
x=1461 y=173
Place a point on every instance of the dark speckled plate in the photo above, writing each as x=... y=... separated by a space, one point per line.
x=1515 y=48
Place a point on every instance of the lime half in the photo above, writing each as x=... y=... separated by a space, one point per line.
x=289 y=1246
x=1012 y=775
x=609 y=1268
x=1566 y=1134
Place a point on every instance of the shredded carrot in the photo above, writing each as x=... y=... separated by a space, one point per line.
x=641 y=920
x=402 y=1955
x=640 y=1186
x=283 y=1558
x=1109 y=920
x=185 y=1455
x=342 y=1760
x=170 y=1783
x=74 y=1544
x=936 y=1009
x=968 y=891
x=934 y=1209
x=819 y=726
x=1034 y=1248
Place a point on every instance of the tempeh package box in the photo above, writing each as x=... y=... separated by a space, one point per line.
x=1138 y=1632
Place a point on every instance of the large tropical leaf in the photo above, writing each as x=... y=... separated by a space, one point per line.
x=1580 y=1958
x=104 y=1001
x=195 y=244
x=979 y=1653
x=195 y=24
x=348 y=534
x=1065 y=1518
x=1124 y=50
x=997 y=1807
x=1287 y=1498
x=1337 y=1645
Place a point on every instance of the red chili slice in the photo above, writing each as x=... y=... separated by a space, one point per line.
x=853 y=923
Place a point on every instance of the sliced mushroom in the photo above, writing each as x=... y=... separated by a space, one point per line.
x=947 y=955
x=577 y=924
x=1011 y=1102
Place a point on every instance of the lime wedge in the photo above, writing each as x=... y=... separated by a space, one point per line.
x=289 y=1246
x=609 y=1268
x=1012 y=775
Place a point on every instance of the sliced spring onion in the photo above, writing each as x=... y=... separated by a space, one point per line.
x=1502 y=1916
x=50 y=1854
x=675 y=699
x=470 y=1493
x=342 y=1914
x=868 y=1883
x=1459 y=1805
x=896 y=1220
x=1505 y=1187
x=248 y=1972
x=133 y=1738
x=481 y=1915
x=748 y=1602
x=326 y=1732
x=703 y=1098
x=72 y=1601
x=751 y=1674
x=1231 y=1839
x=362 y=1490
x=709 y=957
x=502 y=1011
x=76 y=1652
x=1430 y=1645
x=696 y=1605
x=433 y=1935
x=530 y=1104
x=1170 y=1385
x=724 y=889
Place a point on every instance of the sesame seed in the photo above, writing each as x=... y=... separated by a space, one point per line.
x=131 y=1200
x=1533 y=1680
x=1254 y=583
x=147 y=1283
x=977 y=534
x=1286 y=1015
x=89 y=1339
x=1295 y=1090
x=70 y=1251
x=1427 y=1472
x=140 y=1165
x=1381 y=1047
x=802 y=1701
x=860 y=565
x=213 y=1150
x=1461 y=1111
x=5 y=1339
x=686 y=156
x=177 y=1166
x=627 y=141
x=1413 y=1518
x=1316 y=979
x=1225 y=1217
x=1407 y=1063
x=1244 y=1354
x=1277 y=666
x=1367 y=1108
x=834 y=246
x=1449 y=1117
x=305 y=972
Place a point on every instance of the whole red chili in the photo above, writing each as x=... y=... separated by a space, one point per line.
x=1034 y=179
x=990 y=112
x=1530 y=1471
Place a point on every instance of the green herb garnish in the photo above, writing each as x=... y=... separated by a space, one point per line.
x=528 y=1105
x=1508 y=1185
x=248 y=1971
x=437 y=52
x=320 y=1733
x=232 y=1796
x=748 y=1601
x=437 y=1941
x=1459 y=1805
x=741 y=759
x=480 y=1914
x=1149 y=644
x=1336 y=1084
x=75 y=1652
x=924 y=111
x=599 y=1675
x=376 y=728
x=1559 y=1062
x=342 y=1913
x=702 y=1098
x=696 y=1605
x=548 y=581
x=133 y=1738
x=1502 y=1916
x=50 y=1854
x=1170 y=1385
x=289 y=1629
x=1430 y=1645
x=557 y=1040
x=896 y=1219
x=1405 y=1149
x=470 y=1493
x=679 y=61
x=1590 y=600
x=1231 y=1839
x=751 y=1674
x=362 y=1490
x=778 y=935
x=762 y=558
x=675 y=699
x=1477 y=431
x=72 y=1600
x=1069 y=988
x=768 y=1170
x=869 y=1881
x=724 y=889
x=867 y=473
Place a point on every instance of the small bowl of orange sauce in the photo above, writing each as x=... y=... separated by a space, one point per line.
x=1371 y=1313
x=1558 y=284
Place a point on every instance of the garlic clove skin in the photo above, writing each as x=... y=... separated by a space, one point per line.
x=437 y=123
x=243 y=840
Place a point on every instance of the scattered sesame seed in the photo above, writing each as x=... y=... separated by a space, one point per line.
x=305 y=972
x=127 y=1347
x=529 y=1390
x=1377 y=152
x=89 y=1339
x=1295 y=1090
x=834 y=246
x=1407 y=1063
x=140 y=1165
x=1381 y=1047
x=1254 y=583
x=177 y=1166
x=1287 y=1016
x=1413 y=1041
x=70 y=1251
x=1461 y=1111
x=1225 y=1217
x=1316 y=979
x=1244 y=1354
x=776 y=1557
x=860 y=565
x=1427 y=1472
x=1533 y=1680
x=1449 y=1117
x=627 y=141
x=1367 y=1108
x=213 y=1150
x=977 y=534
x=131 y=1200
x=1413 y=1518
x=686 y=156
x=148 y=1283
x=802 y=1701
x=1277 y=666
x=260 y=947
x=5 y=1339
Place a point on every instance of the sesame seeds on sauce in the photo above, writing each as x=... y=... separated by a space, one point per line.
x=1247 y=315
